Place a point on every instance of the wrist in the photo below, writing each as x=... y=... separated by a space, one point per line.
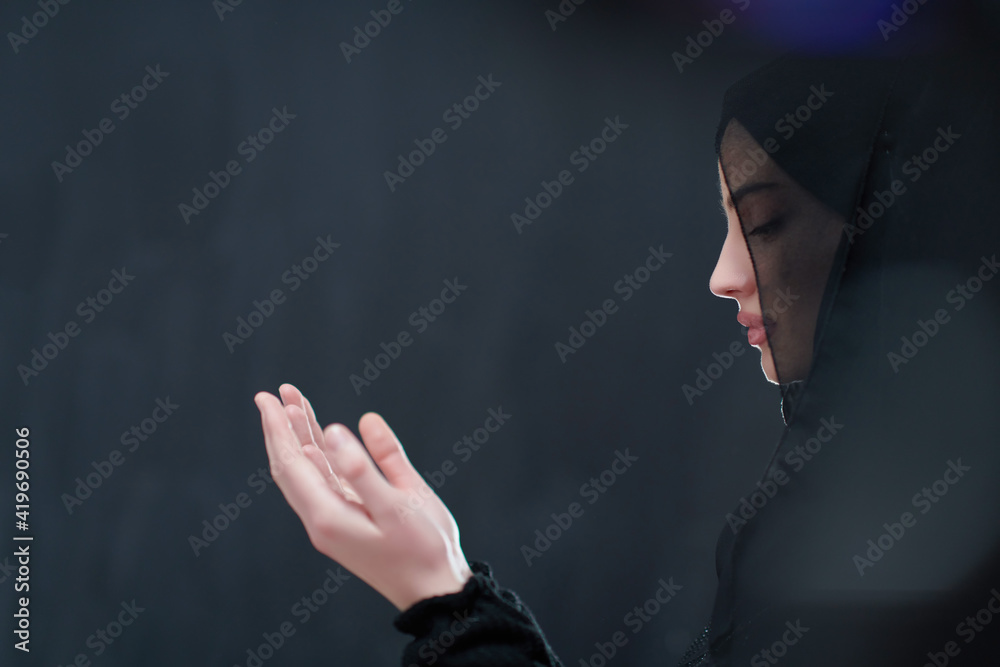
x=449 y=583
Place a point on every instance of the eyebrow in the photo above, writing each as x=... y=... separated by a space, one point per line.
x=735 y=197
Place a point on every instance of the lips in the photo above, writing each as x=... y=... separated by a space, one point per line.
x=756 y=334
x=750 y=320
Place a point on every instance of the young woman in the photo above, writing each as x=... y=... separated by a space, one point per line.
x=862 y=242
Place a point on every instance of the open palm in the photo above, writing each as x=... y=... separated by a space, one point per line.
x=388 y=528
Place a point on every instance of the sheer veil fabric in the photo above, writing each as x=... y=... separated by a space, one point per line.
x=865 y=187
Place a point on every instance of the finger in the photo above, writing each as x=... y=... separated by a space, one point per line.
x=313 y=453
x=317 y=433
x=316 y=457
x=335 y=479
x=388 y=453
x=300 y=425
x=291 y=395
x=314 y=426
x=295 y=404
x=342 y=484
x=358 y=470
x=284 y=448
x=303 y=420
x=299 y=479
x=319 y=459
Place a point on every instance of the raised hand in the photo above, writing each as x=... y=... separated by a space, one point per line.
x=391 y=531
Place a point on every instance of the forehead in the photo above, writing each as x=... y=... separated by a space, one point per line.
x=745 y=168
x=736 y=185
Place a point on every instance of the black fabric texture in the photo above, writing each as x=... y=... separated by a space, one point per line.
x=483 y=624
x=874 y=535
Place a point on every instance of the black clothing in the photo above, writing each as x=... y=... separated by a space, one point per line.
x=481 y=625
x=871 y=221
x=881 y=531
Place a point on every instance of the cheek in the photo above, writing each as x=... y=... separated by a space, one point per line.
x=800 y=258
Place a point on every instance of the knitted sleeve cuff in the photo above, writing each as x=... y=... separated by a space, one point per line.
x=483 y=624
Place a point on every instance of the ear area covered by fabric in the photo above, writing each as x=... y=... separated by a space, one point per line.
x=876 y=531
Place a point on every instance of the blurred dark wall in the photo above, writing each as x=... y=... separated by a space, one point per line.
x=161 y=337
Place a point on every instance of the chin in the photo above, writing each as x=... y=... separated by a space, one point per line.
x=767 y=365
x=770 y=372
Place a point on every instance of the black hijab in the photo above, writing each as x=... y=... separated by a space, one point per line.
x=869 y=211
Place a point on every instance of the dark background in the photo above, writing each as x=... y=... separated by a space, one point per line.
x=323 y=176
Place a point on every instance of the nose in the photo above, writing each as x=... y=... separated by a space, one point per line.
x=733 y=277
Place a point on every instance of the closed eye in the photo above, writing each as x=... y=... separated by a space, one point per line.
x=768 y=229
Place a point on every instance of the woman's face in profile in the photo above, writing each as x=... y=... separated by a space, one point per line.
x=777 y=255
